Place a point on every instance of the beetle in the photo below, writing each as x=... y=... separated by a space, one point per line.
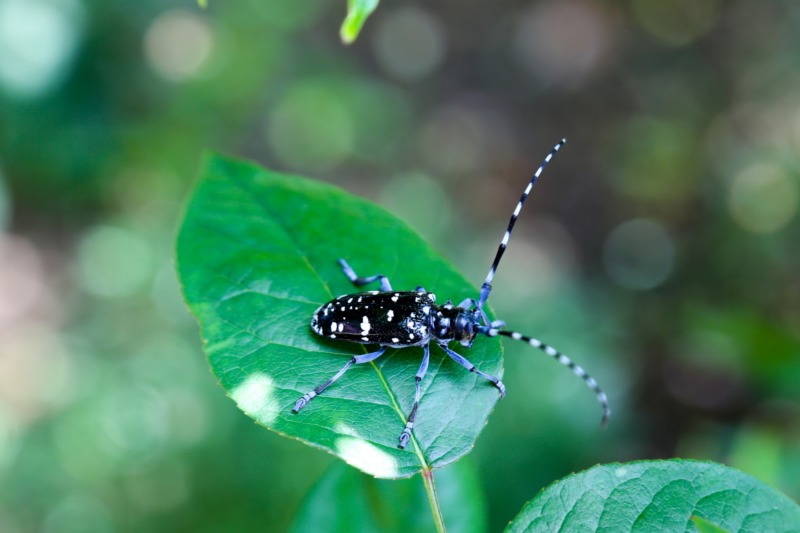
x=400 y=319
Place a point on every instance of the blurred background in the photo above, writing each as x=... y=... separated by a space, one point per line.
x=661 y=250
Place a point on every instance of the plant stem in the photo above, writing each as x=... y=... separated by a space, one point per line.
x=433 y=499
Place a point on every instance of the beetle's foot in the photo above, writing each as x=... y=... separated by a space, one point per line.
x=404 y=438
x=302 y=402
x=501 y=388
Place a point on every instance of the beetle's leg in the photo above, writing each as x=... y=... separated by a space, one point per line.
x=358 y=359
x=469 y=302
x=469 y=366
x=351 y=275
x=423 y=368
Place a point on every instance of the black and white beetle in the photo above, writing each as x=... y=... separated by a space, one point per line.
x=412 y=318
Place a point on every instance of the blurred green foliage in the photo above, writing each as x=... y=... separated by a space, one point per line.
x=683 y=124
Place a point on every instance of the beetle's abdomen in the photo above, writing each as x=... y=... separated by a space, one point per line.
x=386 y=318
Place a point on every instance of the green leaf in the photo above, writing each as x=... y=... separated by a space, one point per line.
x=257 y=255
x=704 y=526
x=357 y=13
x=658 y=496
x=202 y=3
x=347 y=501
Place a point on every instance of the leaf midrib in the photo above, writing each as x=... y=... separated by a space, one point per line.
x=245 y=186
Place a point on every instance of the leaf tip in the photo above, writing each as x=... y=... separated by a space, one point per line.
x=357 y=13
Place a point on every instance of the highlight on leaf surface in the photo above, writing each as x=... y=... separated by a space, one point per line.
x=659 y=496
x=257 y=255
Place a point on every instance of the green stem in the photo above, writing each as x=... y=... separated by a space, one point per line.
x=433 y=499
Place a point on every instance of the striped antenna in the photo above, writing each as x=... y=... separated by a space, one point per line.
x=486 y=288
x=564 y=360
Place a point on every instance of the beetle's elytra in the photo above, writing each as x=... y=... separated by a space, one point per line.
x=399 y=319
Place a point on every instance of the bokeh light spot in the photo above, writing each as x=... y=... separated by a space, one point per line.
x=79 y=513
x=178 y=43
x=135 y=420
x=38 y=39
x=159 y=488
x=762 y=199
x=113 y=262
x=409 y=43
x=36 y=371
x=563 y=41
x=310 y=128
x=677 y=22
x=9 y=437
x=658 y=164
x=80 y=447
x=22 y=280
x=5 y=204
x=639 y=254
x=455 y=139
x=420 y=201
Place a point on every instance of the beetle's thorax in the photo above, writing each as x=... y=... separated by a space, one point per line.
x=450 y=323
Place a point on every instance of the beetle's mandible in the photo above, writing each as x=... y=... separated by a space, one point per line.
x=399 y=319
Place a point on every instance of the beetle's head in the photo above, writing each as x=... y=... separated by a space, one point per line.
x=465 y=325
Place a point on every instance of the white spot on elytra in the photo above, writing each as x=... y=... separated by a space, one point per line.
x=365 y=338
x=395 y=297
x=350 y=301
x=390 y=315
x=333 y=327
x=341 y=327
x=333 y=336
x=395 y=340
x=365 y=326
x=410 y=324
x=410 y=335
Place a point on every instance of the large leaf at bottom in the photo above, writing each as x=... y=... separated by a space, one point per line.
x=257 y=255
x=659 y=496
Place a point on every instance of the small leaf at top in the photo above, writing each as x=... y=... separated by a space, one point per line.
x=257 y=255
x=357 y=13
x=658 y=496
